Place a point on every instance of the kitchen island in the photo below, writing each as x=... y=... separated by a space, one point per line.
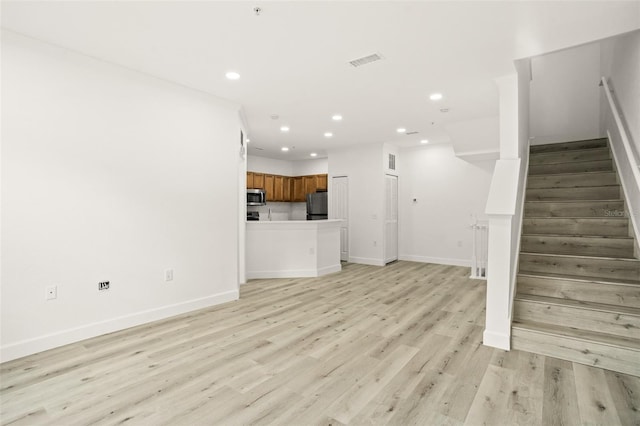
x=293 y=248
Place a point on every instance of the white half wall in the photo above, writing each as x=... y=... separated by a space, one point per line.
x=565 y=97
x=110 y=175
x=448 y=192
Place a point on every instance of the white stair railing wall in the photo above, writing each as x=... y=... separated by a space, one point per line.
x=626 y=158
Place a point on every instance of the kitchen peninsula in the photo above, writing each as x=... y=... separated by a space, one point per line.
x=293 y=248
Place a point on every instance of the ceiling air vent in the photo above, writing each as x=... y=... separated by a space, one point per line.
x=412 y=133
x=365 y=60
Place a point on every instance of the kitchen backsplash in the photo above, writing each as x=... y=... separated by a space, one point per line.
x=281 y=211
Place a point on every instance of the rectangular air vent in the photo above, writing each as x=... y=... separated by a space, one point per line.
x=412 y=133
x=392 y=162
x=365 y=60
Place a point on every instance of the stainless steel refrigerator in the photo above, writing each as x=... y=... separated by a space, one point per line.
x=317 y=206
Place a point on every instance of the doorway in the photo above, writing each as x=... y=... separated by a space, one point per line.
x=391 y=219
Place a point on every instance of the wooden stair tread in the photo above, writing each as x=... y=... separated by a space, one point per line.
x=595 y=280
x=610 y=200
x=564 y=146
x=592 y=306
x=615 y=237
x=574 y=333
x=573 y=256
x=593 y=148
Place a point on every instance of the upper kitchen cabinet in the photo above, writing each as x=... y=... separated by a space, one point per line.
x=258 y=180
x=321 y=182
x=310 y=184
x=269 y=187
x=285 y=188
x=298 y=189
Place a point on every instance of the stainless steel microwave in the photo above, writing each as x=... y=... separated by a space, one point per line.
x=256 y=197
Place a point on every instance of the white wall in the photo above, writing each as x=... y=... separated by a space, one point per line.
x=624 y=73
x=316 y=166
x=448 y=190
x=287 y=168
x=108 y=174
x=362 y=164
x=270 y=166
x=475 y=138
x=565 y=97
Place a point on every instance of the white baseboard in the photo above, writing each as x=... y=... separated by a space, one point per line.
x=438 y=260
x=496 y=340
x=294 y=273
x=64 y=337
x=366 y=261
x=329 y=269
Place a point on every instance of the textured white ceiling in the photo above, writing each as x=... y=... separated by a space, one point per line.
x=293 y=57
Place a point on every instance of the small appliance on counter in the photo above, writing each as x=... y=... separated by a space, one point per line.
x=256 y=197
x=317 y=206
x=253 y=215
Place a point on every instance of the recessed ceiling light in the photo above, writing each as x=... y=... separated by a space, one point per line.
x=284 y=129
x=328 y=134
x=435 y=96
x=313 y=154
x=284 y=148
x=232 y=75
x=336 y=117
x=424 y=141
x=401 y=130
x=248 y=140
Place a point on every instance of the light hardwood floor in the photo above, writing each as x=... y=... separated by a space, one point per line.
x=396 y=345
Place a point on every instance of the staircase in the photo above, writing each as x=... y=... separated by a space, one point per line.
x=578 y=285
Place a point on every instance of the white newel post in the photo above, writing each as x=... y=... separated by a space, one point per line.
x=497 y=332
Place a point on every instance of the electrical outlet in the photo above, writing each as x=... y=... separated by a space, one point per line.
x=104 y=285
x=52 y=292
x=168 y=275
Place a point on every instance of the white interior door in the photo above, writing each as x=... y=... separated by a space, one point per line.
x=340 y=210
x=391 y=219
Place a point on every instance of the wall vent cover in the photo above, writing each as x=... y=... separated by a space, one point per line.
x=365 y=60
x=392 y=162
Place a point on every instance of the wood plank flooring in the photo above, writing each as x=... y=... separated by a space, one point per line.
x=396 y=345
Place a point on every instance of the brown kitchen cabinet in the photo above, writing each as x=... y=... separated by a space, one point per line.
x=287 y=182
x=286 y=188
x=321 y=182
x=258 y=180
x=269 y=187
x=278 y=188
x=298 y=189
x=309 y=184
